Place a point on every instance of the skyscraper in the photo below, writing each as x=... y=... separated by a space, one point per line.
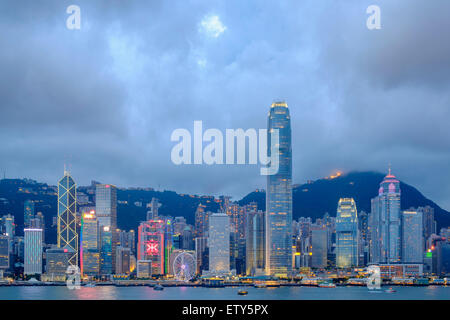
x=33 y=251
x=412 y=244
x=219 y=243
x=254 y=242
x=279 y=196
x=67 y=225
x=151 y=245
x=319 y=239
x=201 y=221
x=28 y=212
x=346 y=234
x=106 y=212
x=90 y=246
x=385 y=222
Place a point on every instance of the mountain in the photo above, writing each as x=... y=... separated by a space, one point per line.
x=312 y=199
x=315 y=198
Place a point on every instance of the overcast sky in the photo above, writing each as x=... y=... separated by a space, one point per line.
x=107 y=97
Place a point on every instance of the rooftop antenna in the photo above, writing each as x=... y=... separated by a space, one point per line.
x=389 y=168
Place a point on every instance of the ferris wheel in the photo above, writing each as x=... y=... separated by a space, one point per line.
x=184 y=266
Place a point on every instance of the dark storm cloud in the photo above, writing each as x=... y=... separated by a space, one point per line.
x=106 y=98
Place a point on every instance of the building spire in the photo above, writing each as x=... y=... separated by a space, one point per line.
x=389 y=168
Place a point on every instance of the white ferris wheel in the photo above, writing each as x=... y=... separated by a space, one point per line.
x=184 y=266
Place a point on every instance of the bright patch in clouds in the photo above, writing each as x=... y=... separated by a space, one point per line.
x=212 y=26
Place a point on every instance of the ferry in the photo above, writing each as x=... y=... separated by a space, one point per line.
x=89 y=285
x=327 y=285
x=158 y=287
x=242 y=292
x=390 y=290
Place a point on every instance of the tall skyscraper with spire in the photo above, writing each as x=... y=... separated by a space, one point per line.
x=279 y=196
x=385 y=222
x=67 y=208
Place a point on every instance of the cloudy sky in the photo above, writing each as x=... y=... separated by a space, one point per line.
x=107 y=97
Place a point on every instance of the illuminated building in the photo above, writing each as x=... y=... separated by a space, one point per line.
x=154 y=206
x=412 y=244
x=144 y=269
x=90 y=246
x=201 y=221
x=429 y=224
x=201 y=254
x=123 y=260
x=8 y=227
x=401 y=270
x=151 y=244
x=219 y=243
x=28 y=212
x=318 y=246
x=106 y=251
x=254 y=242
x=346 y=234
x=67 y=208
x=385 y=222
x=168 y=243
x=279 y=196
x=127 y=239
x=106 y=212
x=57 y=262
x=4 y=252
x=33 y=251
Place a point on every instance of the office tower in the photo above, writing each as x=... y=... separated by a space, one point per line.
x=90 y=244
x=179 y=224
x=187 y=240
x=412 y=244
x=279 y=196
x=219 y=243
x=429 y=224
x=8 y=228
x=106 y=212
x=57 y=262
x=123 y=260
x=4 y=252
x=201 y=221
x=363 y=227
x=254 y=255
x=127 y=239
x=28 y=212
x=152 y=213
x=106 y=251
x=33 y=251
x=385 y=221
x=151 y=245
x=201 y=252
x=168 y=243
x=318 y=246
x=67 y=208
x=346 y=234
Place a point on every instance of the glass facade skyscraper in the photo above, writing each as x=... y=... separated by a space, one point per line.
x=279 y=196
x=67 y=225
x=219 y=243
x=33 y=251
x=346 y=234
x=412 y=244
x=254 y=242
x=106 y=212
x=90 y=246
x=385 y=222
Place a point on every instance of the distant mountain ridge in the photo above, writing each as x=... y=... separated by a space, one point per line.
x=316 y=198
x=312 y=199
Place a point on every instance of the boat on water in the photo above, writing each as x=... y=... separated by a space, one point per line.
x=390 y=290
x=327 y=285
x=242 y=292
x=158 y=287
x=89 y=285
x=260 y=285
